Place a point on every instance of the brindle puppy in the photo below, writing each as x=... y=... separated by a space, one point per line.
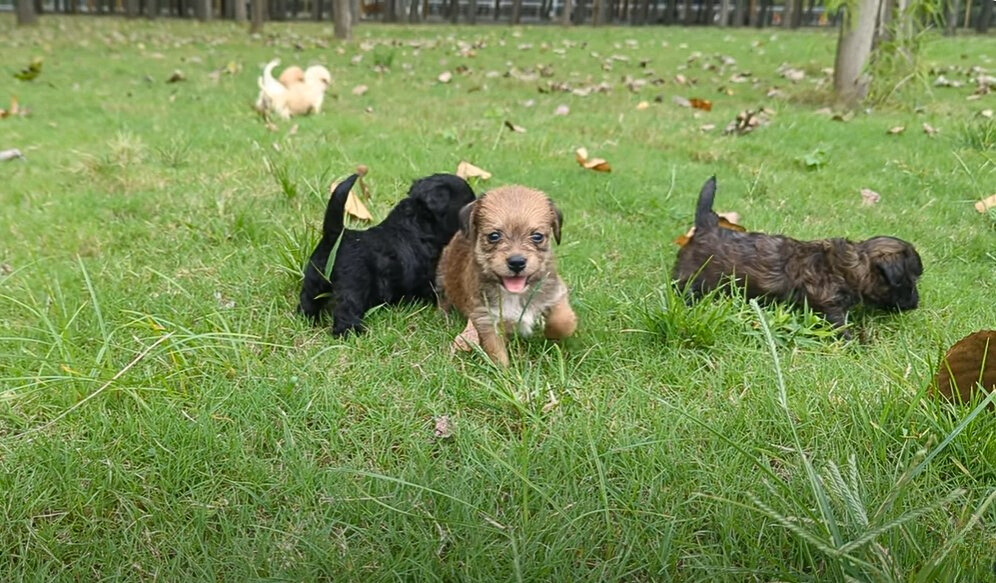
x=831 y=275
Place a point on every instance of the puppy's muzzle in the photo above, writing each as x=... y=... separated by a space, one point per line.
x=516 y=263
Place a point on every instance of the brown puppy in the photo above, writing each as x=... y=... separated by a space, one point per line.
x=831 y=275
x=499 y=270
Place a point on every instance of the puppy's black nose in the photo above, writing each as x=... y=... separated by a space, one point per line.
x=516 y=263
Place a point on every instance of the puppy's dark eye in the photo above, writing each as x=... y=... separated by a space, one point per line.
x=536 y=238
x=494 y=237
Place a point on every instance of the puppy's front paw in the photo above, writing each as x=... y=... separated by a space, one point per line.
x=466 y=340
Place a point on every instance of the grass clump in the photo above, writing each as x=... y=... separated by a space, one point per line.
x=165 y=414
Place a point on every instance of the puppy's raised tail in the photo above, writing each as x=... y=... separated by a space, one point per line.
x=268 y=83
x=333 y=224
x=704 y=217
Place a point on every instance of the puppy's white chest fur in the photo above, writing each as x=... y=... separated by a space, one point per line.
x=523 y=311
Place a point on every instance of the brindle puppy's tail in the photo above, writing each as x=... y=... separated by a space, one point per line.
x=333 y=224
x=704 y=217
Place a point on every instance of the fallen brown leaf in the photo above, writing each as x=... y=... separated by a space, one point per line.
x=562 y=110
x=727 y=220
x=443 y=429
x=176 y=77
x=708 y=127
x=596 y=164
x=642 y=105
x=445 y=77
x=929 y=129
x=987 y=203
x=356 y=208
x=703 y=104
x=467 y=170
x=681 y=101
x=515 y=128
x=869 y=197
x=894 y=131
x=359 y=90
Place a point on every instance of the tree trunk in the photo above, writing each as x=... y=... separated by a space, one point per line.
x=472 y=12
x=131 y=8
x=258 y=8
x=724 y=12
x=565 y=18
x=985 y=17
x=857 y=31
x=26 y=13
x=951 y=17
x=644 y=15
x=413 y=15
x=343 y=20
x=203 y=10
x=752 y=12
x=797 y=9
x=788 y=14
x=151 y=7
x=516 y=11
x=239 y=10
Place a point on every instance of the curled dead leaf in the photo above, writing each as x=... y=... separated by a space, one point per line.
x=895 y=131
x=869 y=197
x=727 y=220
x=467 y=170
x=443 y=427
x=445 y=77
x=929 y=129
x=596 y=164
x=359 y=90
x=642 y=105
x=681 y=101
x=176 y=77
x=515 y=128
x=703 y=104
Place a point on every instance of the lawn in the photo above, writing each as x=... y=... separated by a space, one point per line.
x=165 y=415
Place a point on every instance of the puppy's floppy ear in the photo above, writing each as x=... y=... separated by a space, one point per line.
x=558 y=220
x=893 y=270
x=437 y=200
x=467 y=220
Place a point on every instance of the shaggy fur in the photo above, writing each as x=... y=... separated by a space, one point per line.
x=392 y=262
x=296 y=93
x=831 y=275
x=500 y=273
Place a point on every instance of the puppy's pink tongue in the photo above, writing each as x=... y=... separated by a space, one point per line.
x=514 y=284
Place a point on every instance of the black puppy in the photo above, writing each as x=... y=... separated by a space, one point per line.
x=392 y=262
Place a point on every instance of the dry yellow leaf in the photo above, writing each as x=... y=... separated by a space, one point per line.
x=356 y=208
x=467 y=170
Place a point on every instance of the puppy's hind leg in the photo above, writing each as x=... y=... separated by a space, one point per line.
x=561 y=321
x=347 y=316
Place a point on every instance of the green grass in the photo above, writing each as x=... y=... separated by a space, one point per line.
x=165 y=415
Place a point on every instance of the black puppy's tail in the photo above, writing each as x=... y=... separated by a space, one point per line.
x=704 y=217
x=333 y=224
